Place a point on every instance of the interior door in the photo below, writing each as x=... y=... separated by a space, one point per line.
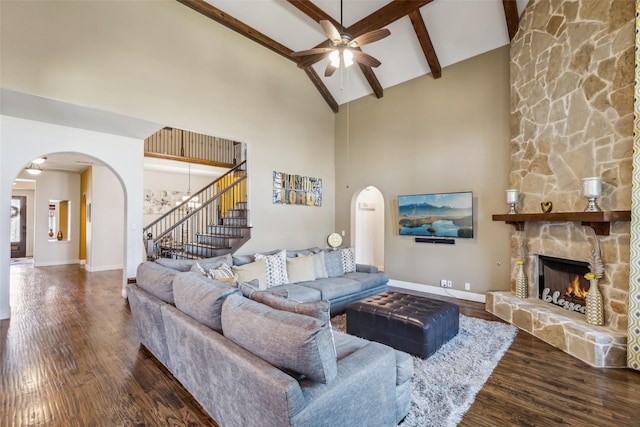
x=18 y=226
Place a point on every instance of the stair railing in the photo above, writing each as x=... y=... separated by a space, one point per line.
x=168 y=235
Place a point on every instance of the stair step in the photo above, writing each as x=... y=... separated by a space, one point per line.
x=205 y=251
x=228 y=230
x=241 y=205
x=218 y=240
x=234 y=221
x=237 y=213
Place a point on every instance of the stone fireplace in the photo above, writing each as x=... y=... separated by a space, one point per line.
x=572 y=117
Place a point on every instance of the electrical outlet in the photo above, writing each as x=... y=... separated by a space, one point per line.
x=449 y=283
x=467 y=286
x=443 y=283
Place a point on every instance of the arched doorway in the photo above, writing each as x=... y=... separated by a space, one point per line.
x=25 y=140
x=368 y=226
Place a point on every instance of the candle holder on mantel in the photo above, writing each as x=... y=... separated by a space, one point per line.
x=512 y=200
x=592 y=189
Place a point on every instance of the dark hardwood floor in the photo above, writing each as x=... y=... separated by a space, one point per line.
x=70 y=357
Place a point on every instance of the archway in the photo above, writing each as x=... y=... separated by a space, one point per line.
x=24 y=140
x=368 y=227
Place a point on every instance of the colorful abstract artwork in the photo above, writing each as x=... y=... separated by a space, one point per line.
x=292 y=189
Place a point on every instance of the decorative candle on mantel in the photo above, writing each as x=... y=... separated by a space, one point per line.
x=592 y=189
x=512 y=199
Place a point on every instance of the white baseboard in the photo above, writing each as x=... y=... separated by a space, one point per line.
x=49 y=264
x=92 y=269
x=469 y=296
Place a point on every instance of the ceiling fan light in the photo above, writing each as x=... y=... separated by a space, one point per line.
x=334 y=57
x=39 y=160
x=348 y=57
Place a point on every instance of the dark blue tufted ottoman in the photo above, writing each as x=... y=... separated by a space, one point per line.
x=413 y=324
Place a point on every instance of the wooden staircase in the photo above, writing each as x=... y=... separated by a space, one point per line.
x=216 y=226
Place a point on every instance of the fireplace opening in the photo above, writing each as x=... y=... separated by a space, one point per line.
x=561 y=282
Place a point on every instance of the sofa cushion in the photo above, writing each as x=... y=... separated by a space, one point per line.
x=317 y=309
x=177 y=264
x=201 y=298
x=249 y=289
x=251 y=271
x=367 y=280
x=319 y=269
x=333 y=263
x=300 y=293
x=275 y=268
x=334 y=287
x=300 y=269
x=302 y=252
x=157 y=280
x=287 y=340
x=206 y=264
x=348 y=259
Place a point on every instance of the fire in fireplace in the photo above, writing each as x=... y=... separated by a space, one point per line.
x=561 y=282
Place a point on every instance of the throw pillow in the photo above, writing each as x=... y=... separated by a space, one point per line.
x=348 y=260
x=300 y=269
x=251 y=271
x=224 y=273
x=333 y=263
x=205 y=264
x=319 y=268
x=275 y=268
x=289 y=341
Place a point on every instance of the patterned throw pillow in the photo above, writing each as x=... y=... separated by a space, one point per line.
x=348 y=260
x=275 y=268
x=222 y=273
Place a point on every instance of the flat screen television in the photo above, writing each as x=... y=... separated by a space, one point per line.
x=436 y=215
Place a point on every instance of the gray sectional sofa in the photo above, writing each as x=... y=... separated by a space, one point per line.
x=252 y=356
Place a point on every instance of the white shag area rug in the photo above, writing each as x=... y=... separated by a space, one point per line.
x=445 y=385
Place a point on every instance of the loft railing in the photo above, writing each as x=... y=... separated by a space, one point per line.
x=200 y=226
x=192 y=147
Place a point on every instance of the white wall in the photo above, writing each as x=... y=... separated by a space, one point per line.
x=31 y=210
x=107 y=221
x=23 y=140
x=167 y=64
x=157 y=181
x=54 y=185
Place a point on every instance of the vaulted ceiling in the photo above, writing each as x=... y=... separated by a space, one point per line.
x=426 y=35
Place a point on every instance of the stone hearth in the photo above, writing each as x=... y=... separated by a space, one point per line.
x=597 y=346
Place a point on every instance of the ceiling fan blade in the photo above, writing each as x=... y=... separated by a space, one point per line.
x=332 y=33
x=328 y=72
x=370 y=37
x=309 y=60
x=365 y=59
x=314 y=51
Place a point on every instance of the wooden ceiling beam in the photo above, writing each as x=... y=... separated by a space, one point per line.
x=511 y=15
x=317 y=14
x=240 y=27
x=386 y=15
x=317 y=82
x=425 y=42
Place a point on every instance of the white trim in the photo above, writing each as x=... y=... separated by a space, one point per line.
x=50 y=263
x=91 y=269
x=469 y=296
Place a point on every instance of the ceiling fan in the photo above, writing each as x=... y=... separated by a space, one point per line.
x=345 y=49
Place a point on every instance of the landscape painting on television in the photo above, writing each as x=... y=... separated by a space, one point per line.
x=437 y=215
